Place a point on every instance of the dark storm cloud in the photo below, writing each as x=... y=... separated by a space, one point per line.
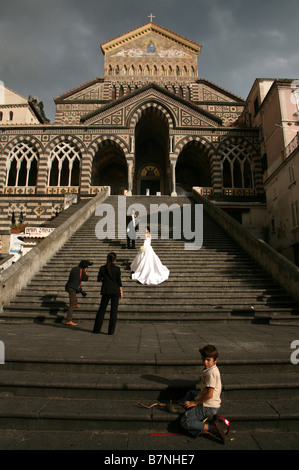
x=48 y=48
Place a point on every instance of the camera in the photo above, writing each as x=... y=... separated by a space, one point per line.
x=85 y=263
x=80 y=291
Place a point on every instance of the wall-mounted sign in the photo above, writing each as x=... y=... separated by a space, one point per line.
x=37 y=232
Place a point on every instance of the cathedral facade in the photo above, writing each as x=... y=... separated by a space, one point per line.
x=149 y=126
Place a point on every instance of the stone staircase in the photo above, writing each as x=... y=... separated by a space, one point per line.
x=218 y=284
x=105 y=395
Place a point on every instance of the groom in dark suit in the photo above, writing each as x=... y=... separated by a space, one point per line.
x=132 y=228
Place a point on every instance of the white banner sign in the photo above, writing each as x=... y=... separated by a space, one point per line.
x=38 y=232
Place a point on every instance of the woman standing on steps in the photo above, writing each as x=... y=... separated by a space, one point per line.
x=111 y=290
x=147 y=266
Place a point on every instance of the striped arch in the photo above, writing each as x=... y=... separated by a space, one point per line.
x=240 y=142
x=94 y=145
x=204 y=144
x=159 y=109
x=109 y=163
x=27 y=139
x=45 y=171
x=232 y=147
x=193 y=168
x=70 y=139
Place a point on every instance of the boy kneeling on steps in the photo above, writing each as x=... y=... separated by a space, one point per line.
x=200 y=408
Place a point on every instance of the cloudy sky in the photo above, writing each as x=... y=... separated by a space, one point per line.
x=48 y=47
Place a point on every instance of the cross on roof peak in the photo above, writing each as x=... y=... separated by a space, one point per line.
x=151 y=16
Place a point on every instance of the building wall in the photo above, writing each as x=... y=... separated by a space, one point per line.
x=15 y=109
x=278 y=121
x=283 y=207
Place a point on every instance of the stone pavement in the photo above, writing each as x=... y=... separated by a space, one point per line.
x=144 y=341
x=141 y=343
x=109 y=442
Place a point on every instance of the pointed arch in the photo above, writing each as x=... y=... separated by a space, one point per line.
x=210 y=149
x=109 y=165
x=193 y=165
x=94 y=145
x=151 y=152
x=238 y=162
x=21 y=165
x=64 y=165
x=158 y=108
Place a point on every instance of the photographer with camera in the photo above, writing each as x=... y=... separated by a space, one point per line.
x=73 y=287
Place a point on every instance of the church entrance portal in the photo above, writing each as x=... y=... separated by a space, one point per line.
x=151 y=154
x=150 y=180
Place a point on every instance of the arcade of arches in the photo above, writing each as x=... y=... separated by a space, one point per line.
x=151 y=167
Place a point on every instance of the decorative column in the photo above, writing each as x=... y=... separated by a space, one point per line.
x=216 y=170
x=130 y=162
x=86 y=171
x=173 y=182
x=42 y=174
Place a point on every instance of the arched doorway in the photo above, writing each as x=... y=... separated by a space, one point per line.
x=150 y=179
x=193 y=167
x=151 y=153
x=109 y=168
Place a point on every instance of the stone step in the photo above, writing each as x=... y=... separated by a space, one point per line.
x=233 y=295
x=50 y=316
x=153 y=365
x=174 y=266
x=157 y=312
x=150 y=306
x=201 y=294
x=145 y=387
x=99 y=251
x=176 y=284
x=166 y=312
x=178 y=280
x=179 y=275
x=86 y=414
x=190 y=291
x=174 y=271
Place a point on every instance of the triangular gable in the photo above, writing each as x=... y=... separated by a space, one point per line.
x=183 y=113
x=151 y=46
x=209 y=91
x=10 y=97
x=86 y=91
x=143 y=31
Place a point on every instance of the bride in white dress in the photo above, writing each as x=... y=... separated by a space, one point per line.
x=147 y=266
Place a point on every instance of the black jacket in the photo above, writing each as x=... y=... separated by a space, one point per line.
x=110 y=283
x=130 y=228
x=74 y=278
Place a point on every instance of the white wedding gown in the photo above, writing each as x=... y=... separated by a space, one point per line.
x=147 y=266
